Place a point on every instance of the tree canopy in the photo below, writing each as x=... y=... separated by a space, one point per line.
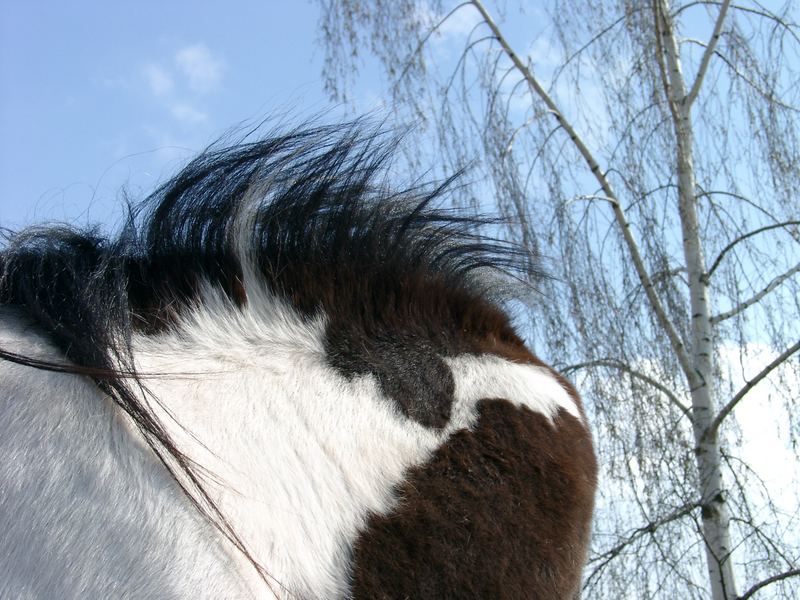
x=649 y=151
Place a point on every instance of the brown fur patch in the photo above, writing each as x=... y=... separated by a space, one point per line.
x=399 y=328
x=502 y=511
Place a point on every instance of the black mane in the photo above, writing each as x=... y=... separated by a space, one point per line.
x=399 y=279
x=316 y=206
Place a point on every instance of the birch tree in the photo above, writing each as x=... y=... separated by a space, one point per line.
x=649 y=152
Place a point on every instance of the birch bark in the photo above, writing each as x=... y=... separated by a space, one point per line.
x=715 y=516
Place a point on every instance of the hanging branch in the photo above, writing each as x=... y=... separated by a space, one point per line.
x=426 y=37
x=710 y=47
x=726 y=410
x=622 y=221
x=750 y=301
x=742 y=238
x=768 y=581
x=615 y=364
x=648 y=528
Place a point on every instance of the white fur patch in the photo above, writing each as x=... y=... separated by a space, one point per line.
x=491 y=377
x=300 y=455
x=84 y=511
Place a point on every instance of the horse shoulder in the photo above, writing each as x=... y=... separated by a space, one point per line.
x=85 y=510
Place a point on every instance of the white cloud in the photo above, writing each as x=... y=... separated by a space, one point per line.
x=200 y=67
x=176 y=85
x=544 y=54
x=460 y=23
x=766 y=444
x=455 y=28
x=187 y=114
x=158 y=80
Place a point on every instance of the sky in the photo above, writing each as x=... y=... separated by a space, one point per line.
x=97 y=96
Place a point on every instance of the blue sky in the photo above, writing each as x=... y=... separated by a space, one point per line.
x=100 y=95
x=96 y=96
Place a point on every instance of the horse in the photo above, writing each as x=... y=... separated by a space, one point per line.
x=283 y=378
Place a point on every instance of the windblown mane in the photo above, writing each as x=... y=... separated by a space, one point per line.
x=309 y=216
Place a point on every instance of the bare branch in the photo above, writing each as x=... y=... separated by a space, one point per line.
x=622 y=221
x=745 y=199
x=654 y=142
x=743 y=237
x=769 y=97
x=768 y=581
x=669 y=93
x=712 y=44
x=789 y=27
x=749 y=302
x=648 y=528
x=589 y=198
x=583 y=48
x=616 y=364
x=527 y=123
x=461 y=61
x=726 y=410
x=426 y=37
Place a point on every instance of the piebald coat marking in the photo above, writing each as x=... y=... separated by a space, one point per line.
x=282 y=379
x=297 y=457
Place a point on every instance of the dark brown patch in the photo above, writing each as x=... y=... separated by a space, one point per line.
x=503 y=511
x=409 y=371
x=399 y=328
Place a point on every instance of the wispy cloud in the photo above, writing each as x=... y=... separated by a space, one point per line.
x=454 y=28
x=202 y=70
x=187 y=113
x=460 y=23
x=545 y=55
x=158 y=80
x=177 y=83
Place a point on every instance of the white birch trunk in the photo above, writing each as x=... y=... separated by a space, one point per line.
x=715 y=517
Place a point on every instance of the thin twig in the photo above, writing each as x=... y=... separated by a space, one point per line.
x=712 y=44
x=769 y=580
x=726 y=410
x=622 y=221
x=426 y=37
x=743 y=237
x=648 y=528
x=750 y=301
x=616 y=364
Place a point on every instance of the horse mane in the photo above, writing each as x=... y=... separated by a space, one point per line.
x=308 y=215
